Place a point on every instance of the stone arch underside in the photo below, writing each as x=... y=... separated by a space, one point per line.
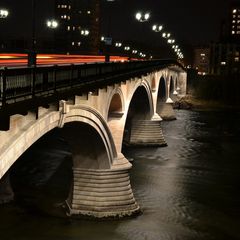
x=25 y=139
x=164 y=102
x=171 y=87
x=116 y=105
x=161 y=96
x=140 y=129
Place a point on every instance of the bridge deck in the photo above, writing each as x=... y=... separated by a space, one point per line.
x=25 y=88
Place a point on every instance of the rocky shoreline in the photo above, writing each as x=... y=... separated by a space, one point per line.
x=189 y=102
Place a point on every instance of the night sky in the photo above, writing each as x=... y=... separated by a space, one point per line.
x=190 y=22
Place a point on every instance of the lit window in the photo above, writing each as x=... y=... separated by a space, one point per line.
x=236 y=59
x=233 y=32
x=203 y=54
x=234 y=16
x=88 y=12
x=73 y=28
x=73 y=43
x=238 y=32
x=79 y=43
x=68 y=28
x=69 y=7
x=233 y=21
x=223 y=63
x=234 y=10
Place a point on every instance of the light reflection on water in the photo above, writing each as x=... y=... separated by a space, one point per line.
x=188 y=190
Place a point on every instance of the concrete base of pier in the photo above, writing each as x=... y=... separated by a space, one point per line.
x=102 y=194
x=167 y=112
x=146 y=133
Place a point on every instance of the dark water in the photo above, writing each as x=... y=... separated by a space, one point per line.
x=188 y=190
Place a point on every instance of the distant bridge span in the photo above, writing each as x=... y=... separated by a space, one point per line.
x=98 y=108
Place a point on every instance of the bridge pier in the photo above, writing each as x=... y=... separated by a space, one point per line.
x=102 y=193
x=166 y=110
x=6 y=192
x=101 y=186
x=146 y=133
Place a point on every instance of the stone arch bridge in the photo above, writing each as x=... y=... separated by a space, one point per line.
x=117 y=107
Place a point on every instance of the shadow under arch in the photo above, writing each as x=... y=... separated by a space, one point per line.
x=162 y=95
x=47 y=123
x=42 y=177
x=171 y=87
x=140 y=108
x=116 y=105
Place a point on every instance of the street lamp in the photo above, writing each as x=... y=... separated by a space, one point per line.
x=157 y=28
x=3 y=13
x=142 y=17
x=108 y=40
x=32 y=55
x=52 y=24
x=118 y=44
x=171 y=41
x=166 y=35
x=85 y=32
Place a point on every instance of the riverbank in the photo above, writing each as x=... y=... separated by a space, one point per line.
x=189 y=102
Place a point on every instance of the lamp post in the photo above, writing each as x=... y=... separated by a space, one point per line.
x=157 y=28
x=142 y=17
x=52 y=24
x=3 y=13
x=85 y=32
x=118 y=44
x=32 y=56
x=108 y=38
x=166 y=35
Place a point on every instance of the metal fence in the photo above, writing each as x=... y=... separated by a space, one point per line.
x=18 y=84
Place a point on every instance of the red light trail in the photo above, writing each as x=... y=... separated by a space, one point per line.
x=17 y=59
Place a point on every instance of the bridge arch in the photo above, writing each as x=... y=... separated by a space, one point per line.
x=162 y=90
x=171 y=87
x=25 y=139
x=145 y=89
x=162 y=94
x=115 y=105
x=93 y=118
x=140 y=109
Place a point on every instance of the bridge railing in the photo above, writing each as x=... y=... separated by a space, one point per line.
x=18 y=84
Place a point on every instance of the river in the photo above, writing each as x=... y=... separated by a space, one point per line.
x=187 y=191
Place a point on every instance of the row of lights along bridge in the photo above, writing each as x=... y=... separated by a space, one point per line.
x=141 y=17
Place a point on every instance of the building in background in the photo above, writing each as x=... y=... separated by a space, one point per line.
x=234 y=21
x=225 y=58
x=201 y=60
x=224 y=55
x=79 y=26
